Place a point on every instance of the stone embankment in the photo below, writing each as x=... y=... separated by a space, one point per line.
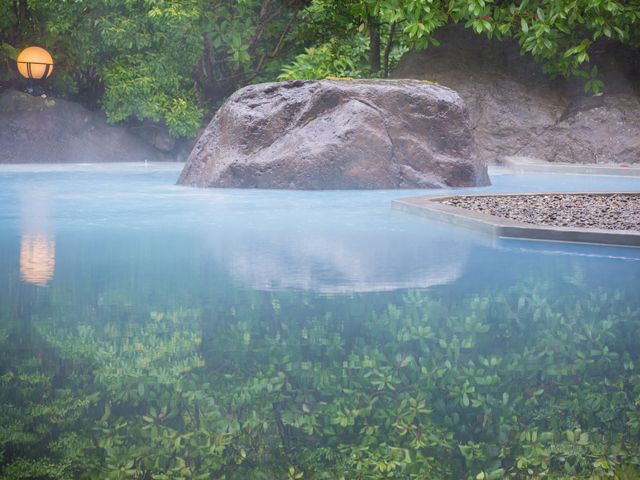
x=620 y=211
x=53 y=130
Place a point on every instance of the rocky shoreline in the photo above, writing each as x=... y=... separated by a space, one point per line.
x=616 y=211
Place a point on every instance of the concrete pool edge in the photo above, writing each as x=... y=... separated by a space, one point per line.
x=534 y=165
x=429 y=206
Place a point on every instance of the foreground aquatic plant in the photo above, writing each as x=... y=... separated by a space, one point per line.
x=516 y=384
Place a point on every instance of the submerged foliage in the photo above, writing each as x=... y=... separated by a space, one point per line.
x=520 y=384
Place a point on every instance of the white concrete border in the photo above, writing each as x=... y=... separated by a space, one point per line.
x=429 y=206
x=534 y=165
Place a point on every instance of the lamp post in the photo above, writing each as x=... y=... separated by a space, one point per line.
x=35 y=64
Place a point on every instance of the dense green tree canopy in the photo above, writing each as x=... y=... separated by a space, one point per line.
x=559 y=33
x=175 y=61
x=154 y=59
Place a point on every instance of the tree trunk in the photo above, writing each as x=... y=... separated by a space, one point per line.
x=21 y=11
x=387 y=49
x=374 y=44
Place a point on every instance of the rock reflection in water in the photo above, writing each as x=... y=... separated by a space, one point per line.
x=338 y=263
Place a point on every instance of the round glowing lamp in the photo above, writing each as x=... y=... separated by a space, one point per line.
x=35 y=63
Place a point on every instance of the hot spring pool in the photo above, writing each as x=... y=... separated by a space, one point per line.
x=150 y=329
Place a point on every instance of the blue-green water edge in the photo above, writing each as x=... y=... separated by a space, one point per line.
x=155 y=331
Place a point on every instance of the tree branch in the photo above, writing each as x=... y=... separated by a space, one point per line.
x=387 y=49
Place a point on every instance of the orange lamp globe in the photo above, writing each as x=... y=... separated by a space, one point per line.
x=35 y=63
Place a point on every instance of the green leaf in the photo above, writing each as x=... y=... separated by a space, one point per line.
x=9 y=51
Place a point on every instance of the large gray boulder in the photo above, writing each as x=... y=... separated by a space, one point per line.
x=337 y=135
x=52 y=130
x=515 y=109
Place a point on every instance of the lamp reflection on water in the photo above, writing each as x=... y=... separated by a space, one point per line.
x=37 y=242
x=37 y=258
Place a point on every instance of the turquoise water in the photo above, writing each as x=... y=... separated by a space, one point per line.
x=132 y=226
x=126 y=291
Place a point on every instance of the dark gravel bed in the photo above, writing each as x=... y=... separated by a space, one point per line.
x=610 y=212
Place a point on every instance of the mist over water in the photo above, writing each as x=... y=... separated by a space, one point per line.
x=136 y=221
x=124 y=238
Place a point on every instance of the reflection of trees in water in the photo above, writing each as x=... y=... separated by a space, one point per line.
x=37 y=258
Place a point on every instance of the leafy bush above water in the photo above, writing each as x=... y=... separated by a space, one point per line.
x=519 y=384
